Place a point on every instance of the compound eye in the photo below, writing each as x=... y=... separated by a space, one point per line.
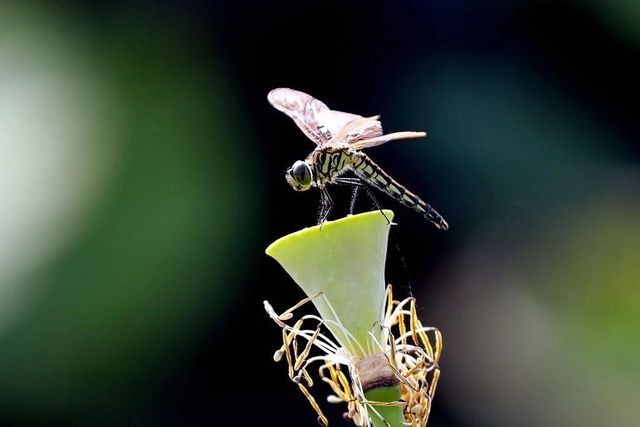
x=301 y=173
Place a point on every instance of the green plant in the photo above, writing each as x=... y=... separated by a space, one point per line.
x=371 y=351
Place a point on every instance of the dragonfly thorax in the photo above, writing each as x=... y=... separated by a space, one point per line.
x=300 y=176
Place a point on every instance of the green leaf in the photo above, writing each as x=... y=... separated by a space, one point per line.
x=344 y=260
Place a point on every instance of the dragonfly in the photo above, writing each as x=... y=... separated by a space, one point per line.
x=338 y=159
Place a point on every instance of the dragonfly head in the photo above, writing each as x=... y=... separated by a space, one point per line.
x=299 y=176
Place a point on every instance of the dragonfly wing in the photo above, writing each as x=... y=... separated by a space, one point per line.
x=379 y=140
x=321 y=124
x=358 y=129
x=310 y=114
x=335 y=121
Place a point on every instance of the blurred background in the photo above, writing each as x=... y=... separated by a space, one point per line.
x=141 y=178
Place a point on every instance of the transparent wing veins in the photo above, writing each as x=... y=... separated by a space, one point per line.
x=305 y=111
x=372 y=142
x=330 y=127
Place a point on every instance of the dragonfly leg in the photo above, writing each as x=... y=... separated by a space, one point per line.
x=354 y=196
x=325 y=207
x=358 y=183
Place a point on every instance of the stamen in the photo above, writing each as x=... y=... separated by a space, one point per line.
x=332 y=398
x=307 y=378
x=285 y=316
x=307 y=349
x=409 y=359
x=301 y=303
x=321 y=418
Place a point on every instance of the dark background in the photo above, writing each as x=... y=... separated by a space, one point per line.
x=142 y=179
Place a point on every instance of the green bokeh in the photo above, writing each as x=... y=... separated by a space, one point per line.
x=155 y=265
x=545 y=287
x=591 y=280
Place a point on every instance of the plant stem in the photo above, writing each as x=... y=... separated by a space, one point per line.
x=393 y=416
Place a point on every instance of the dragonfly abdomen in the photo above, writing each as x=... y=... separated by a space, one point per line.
x=367 y=170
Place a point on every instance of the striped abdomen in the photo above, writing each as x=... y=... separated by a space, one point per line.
x=367 y=170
